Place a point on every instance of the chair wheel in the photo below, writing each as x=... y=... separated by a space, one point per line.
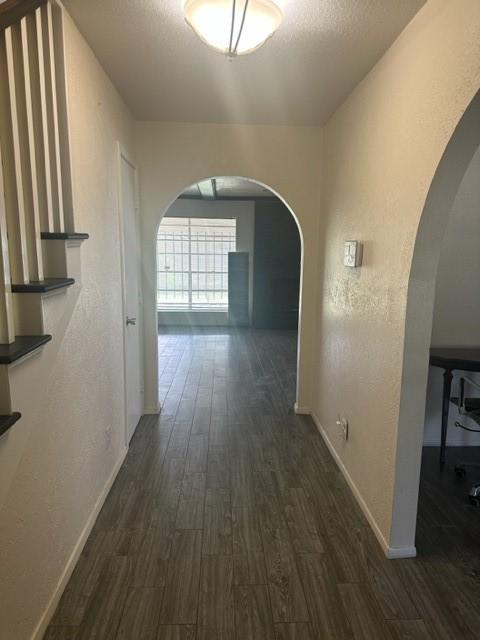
x=475 y=502
x=460 y=472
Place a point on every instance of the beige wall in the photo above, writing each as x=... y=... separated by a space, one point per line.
x=381 y=150
x=286 y=159
x=56 y=462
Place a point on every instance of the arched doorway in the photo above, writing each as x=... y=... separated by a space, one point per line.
x=274 y=299
x=285 y=161
x=419 y=317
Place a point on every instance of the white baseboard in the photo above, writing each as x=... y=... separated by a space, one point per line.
x=399 y=553
x=72 y=561
x=301 y=410
x=391 y=552
x=152 y=410
x=192 y=319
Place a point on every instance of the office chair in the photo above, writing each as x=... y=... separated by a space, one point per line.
x=469 y=407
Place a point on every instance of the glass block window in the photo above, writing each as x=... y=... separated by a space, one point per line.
x=192 y=263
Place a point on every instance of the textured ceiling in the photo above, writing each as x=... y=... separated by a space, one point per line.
x=163 y=71
x=232 y=187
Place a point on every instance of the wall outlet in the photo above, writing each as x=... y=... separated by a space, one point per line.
x=342 y=423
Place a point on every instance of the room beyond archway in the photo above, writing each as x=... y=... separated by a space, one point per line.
x=443 y=191
x=228 y=273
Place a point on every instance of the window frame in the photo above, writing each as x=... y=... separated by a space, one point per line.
x=194 y=262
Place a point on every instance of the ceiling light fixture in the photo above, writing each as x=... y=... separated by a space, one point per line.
x=234 y=27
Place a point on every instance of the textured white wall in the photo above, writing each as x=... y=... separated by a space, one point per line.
x=57 y=460
x=381 y=150
x=286 y=159
x=456 y=316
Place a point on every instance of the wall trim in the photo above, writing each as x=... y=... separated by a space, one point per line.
x=77 y=550
x=152 y=410
x=391 y=553
x=302 y=410
x=192 y=318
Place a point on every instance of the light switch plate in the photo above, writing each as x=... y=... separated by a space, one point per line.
x=353 y=253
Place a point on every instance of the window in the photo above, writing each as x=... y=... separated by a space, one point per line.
x=192 y=263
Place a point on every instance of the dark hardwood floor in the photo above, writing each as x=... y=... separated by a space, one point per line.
x=230 y=521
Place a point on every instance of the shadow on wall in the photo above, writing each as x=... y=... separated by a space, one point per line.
x=277 y=260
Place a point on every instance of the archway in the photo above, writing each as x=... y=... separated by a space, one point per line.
x=301 y=378
x=419 y=317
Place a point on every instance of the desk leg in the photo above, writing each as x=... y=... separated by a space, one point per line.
x=447 y=387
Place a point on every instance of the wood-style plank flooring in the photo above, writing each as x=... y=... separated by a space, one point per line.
x=230 y=521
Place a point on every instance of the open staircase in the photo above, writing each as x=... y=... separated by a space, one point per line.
x=39 y=248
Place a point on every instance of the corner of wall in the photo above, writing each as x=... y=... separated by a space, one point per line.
x=391 y=553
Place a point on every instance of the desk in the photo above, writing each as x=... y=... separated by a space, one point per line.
x=451 y=359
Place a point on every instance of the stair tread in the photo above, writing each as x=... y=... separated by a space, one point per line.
x=8 y=421
x=42 y=286
x=63 y=235
x=22 y=346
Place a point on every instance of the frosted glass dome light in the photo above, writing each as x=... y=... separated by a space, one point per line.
x=234 y=27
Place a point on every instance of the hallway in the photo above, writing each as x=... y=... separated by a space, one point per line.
x=230 y=520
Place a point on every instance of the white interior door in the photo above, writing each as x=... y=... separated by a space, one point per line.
x=133 y=386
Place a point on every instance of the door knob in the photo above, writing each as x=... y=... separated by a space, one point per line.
x=131 y=321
